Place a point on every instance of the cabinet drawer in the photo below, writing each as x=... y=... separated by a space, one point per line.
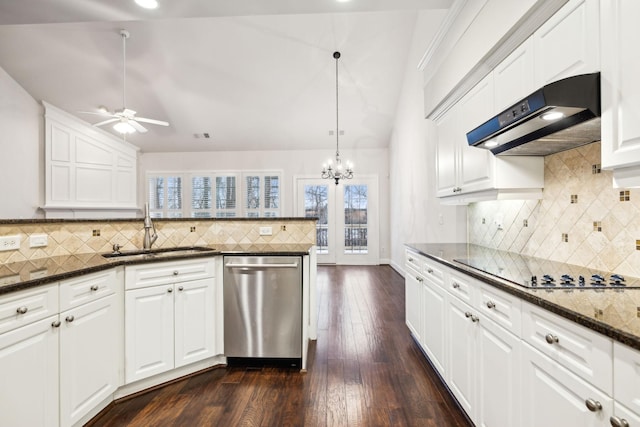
x=431 y=269
x=503 y=308
x=21 y=308
x=582 y=351
x=161 y=273
x=626 y=366
x=461 y=287
x=75 y=292
x=413 y=260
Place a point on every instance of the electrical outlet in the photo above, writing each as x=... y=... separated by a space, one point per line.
x=266 y=231
x=10 y=243
x=38 y=240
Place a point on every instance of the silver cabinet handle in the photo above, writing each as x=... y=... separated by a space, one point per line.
x=181 y=288
x=430 y=271
x=22 y=310
x=475 y=319
x=410 y=259
x=467 y=314
x=176 y=272
x=170 y=290
x=618 y=422
x=55 y=324
x=456 y=285
x=70 y=318
x=551 y=339
x=491 y=304
x=419 y=279
x=593 y=405
x=94 y=288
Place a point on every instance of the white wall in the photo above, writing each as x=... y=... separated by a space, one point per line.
x=307 y=163
x=21 y=152
x=415 y=210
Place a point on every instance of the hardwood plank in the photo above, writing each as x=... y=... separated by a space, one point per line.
x=364 y=370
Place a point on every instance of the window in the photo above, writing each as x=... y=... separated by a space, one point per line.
x=355 y=219
x=213 y=195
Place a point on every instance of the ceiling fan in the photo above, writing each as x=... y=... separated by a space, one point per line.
x=125 y=119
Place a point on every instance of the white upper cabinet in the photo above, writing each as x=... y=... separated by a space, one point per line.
x=513 y=77
x=568 y=43
x=89 y=173
x=621 y=90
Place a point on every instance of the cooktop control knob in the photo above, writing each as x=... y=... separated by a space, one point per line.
x=548 y=280
x=580 y=280
x=617 y=280
x=534 y=280
x=567 y=280
x=597 y=280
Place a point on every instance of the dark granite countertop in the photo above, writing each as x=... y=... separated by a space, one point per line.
x=611 y=312
x=26 y=274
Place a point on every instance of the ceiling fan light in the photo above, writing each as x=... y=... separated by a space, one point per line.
x=147 y=4
x=123 y=127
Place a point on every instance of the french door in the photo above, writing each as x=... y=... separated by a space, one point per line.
x=347 y=227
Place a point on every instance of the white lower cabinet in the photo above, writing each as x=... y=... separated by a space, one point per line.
x=626 y=368
x=553 y=396
x=623 y=417
x=29 y=386
x=434 y=336
x=169 y=325
x=413 y=304
x=461 y=369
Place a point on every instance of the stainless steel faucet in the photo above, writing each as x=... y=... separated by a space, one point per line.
x=149 y=237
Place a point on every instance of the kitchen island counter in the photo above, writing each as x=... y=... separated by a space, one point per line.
x=611 y=312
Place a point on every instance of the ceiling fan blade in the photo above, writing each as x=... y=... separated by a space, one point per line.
x=152 y=121
x=137 y=126
x=105 y=114
x=127 y=112
x=106 y=122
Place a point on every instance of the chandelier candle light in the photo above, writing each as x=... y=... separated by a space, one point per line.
x=337 y=171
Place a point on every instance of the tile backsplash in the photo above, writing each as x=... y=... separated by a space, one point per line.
x=74 y=237
x=581 y=219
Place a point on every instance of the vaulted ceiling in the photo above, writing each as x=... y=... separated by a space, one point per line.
x=253 y=74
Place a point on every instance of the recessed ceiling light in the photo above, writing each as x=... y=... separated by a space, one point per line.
x=491 y=143
x=147 y=4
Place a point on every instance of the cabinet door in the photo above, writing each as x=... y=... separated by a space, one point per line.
x=620 y=83
x=553 y=396
x=622 y=415
x=447 y=155
x=513 y=77
x=434 y=337
x=499 y=381
x=626 y=365
x=568 y=43
x=148 y=332
x=413 y=299
x=29 y=371
x=88 y=357
x=476 y=164
x=461 y=375
x=195 y=332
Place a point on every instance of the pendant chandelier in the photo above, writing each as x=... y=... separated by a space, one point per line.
x=337 y=170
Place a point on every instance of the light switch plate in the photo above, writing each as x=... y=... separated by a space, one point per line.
x=38 y=240
x=266 y=231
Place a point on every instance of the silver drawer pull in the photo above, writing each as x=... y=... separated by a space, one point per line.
x=22 y=310
x=618 y=422
x=242 y=265
x=593 y=405
x=170 y=290
x=551 y=339
x=70 y=318
x=175 y=273
x=491 y=304
x=94 y=288
x=181 y=288
x=467 y=314
x=456 y=285
x=430 y=271
x=475 y=319
x=419 y=279
x=55 y=324
x=410 y=259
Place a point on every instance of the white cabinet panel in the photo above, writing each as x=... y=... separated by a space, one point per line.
x=552 y=396
x=626 y=366
x=87 y=288
x=148 y=332
x=447 y=154
x=503 y=308
x=21 y=308
x=29 y=386
x=141 y=276
x=621 y=89
x=434 y=336
x=513 y=77
x=89 y=355
x=413 y=304
x=568 y=43
x=195 y=333
x=623 y=417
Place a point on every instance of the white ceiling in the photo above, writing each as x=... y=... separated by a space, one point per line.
x=254 y=74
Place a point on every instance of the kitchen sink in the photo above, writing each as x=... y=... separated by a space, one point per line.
x=158 y=253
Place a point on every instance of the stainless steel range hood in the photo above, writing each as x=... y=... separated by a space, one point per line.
x=529 y=129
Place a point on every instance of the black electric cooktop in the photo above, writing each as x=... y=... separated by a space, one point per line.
x=531 y=272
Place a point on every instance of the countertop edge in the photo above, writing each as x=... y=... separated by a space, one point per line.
x=602 y=328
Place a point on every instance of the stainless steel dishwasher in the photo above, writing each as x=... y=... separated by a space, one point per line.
x=263 y=308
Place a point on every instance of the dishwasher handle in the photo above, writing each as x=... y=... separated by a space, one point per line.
x=247 y=265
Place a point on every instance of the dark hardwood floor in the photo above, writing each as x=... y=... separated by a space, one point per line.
x=364 y=370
